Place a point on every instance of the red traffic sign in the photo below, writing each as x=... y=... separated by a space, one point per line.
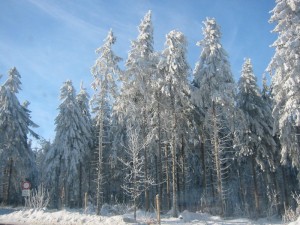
x=26 y=185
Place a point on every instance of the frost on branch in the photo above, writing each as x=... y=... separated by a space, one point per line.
x=284 y=68
x=39 y=198
x=136 y=181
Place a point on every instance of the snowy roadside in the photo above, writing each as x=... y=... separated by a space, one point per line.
x=297 y=222
x=73 y=217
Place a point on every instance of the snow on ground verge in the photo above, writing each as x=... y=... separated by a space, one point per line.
x=73 y=217
x=63 y=217
x=297 y=222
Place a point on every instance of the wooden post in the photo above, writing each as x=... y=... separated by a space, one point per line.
x=85 y=202
x=158 y=208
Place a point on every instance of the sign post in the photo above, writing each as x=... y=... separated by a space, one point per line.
x=26 y=188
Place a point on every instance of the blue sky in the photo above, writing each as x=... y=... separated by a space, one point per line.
x=50 y=41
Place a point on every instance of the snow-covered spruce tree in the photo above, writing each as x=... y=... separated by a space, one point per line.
x=85 y=170
x=41 y=151
x=112 y=167
x=17 y=161
x=266 y=92
x=161 y=125
x=136 y=180
x=83 y=99
x=214 y=94
x=284 y=68
x=174 y=68
x=104 y=72
x=159 y=122
x=135 y=97
x=65 y=159
x=257 y=142
x=283 y=177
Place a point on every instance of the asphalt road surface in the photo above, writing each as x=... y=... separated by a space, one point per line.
x=6 y=211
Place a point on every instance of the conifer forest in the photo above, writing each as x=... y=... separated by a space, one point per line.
x=152 y=124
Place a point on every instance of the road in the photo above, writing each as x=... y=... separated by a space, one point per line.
x=6 y=211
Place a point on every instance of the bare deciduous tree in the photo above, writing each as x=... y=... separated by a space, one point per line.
x=136 y=181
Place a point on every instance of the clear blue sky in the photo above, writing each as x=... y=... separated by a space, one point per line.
x=50 y=41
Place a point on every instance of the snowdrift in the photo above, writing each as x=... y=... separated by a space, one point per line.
x=76 y=217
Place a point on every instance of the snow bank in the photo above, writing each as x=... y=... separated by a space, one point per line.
x=297 y=222
x=63 y=217
x=187 y=216
x=75 y=217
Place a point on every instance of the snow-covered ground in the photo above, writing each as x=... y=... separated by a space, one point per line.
x=73 y=217
x=296 y=222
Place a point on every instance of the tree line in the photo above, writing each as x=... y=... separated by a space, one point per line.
x=212 y=144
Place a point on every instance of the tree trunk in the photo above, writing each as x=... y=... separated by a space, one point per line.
x=216 y=147
x=57 y=191
x=146 y=176
x=183 y=173
x=174 y=178
x=66 y=188
x=256 y=196
x=173 y=153
x=174 y=167
x=277 y=190
x=134 y=208
x=100 y=156
x=160 y=169
x=80 y=186
x=135 y=186
x=90 y=176
x=241 y=189
x=285 y=186
x=203 y=156
x=9 y=181
x=212 y=184
x=179 y=196
x=168 y=196
x=156 y=172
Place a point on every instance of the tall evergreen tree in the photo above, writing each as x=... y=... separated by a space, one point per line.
x=104 y=72
x=257 y=142
x=68 y=152
x=279 y=182
x=85 y=177
x=16 y=157
x=214 y=95
x=136 y=96
x=174 y=68
x=284 y=68
x=41 y=151
x=212 y=74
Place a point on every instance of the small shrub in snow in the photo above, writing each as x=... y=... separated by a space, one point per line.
x=38 y=199
x=107 y=210
x=121 y=209
x=112 y=210
x=291 y=215
x=146 y=218
x=272 y=197
x=90 y=209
